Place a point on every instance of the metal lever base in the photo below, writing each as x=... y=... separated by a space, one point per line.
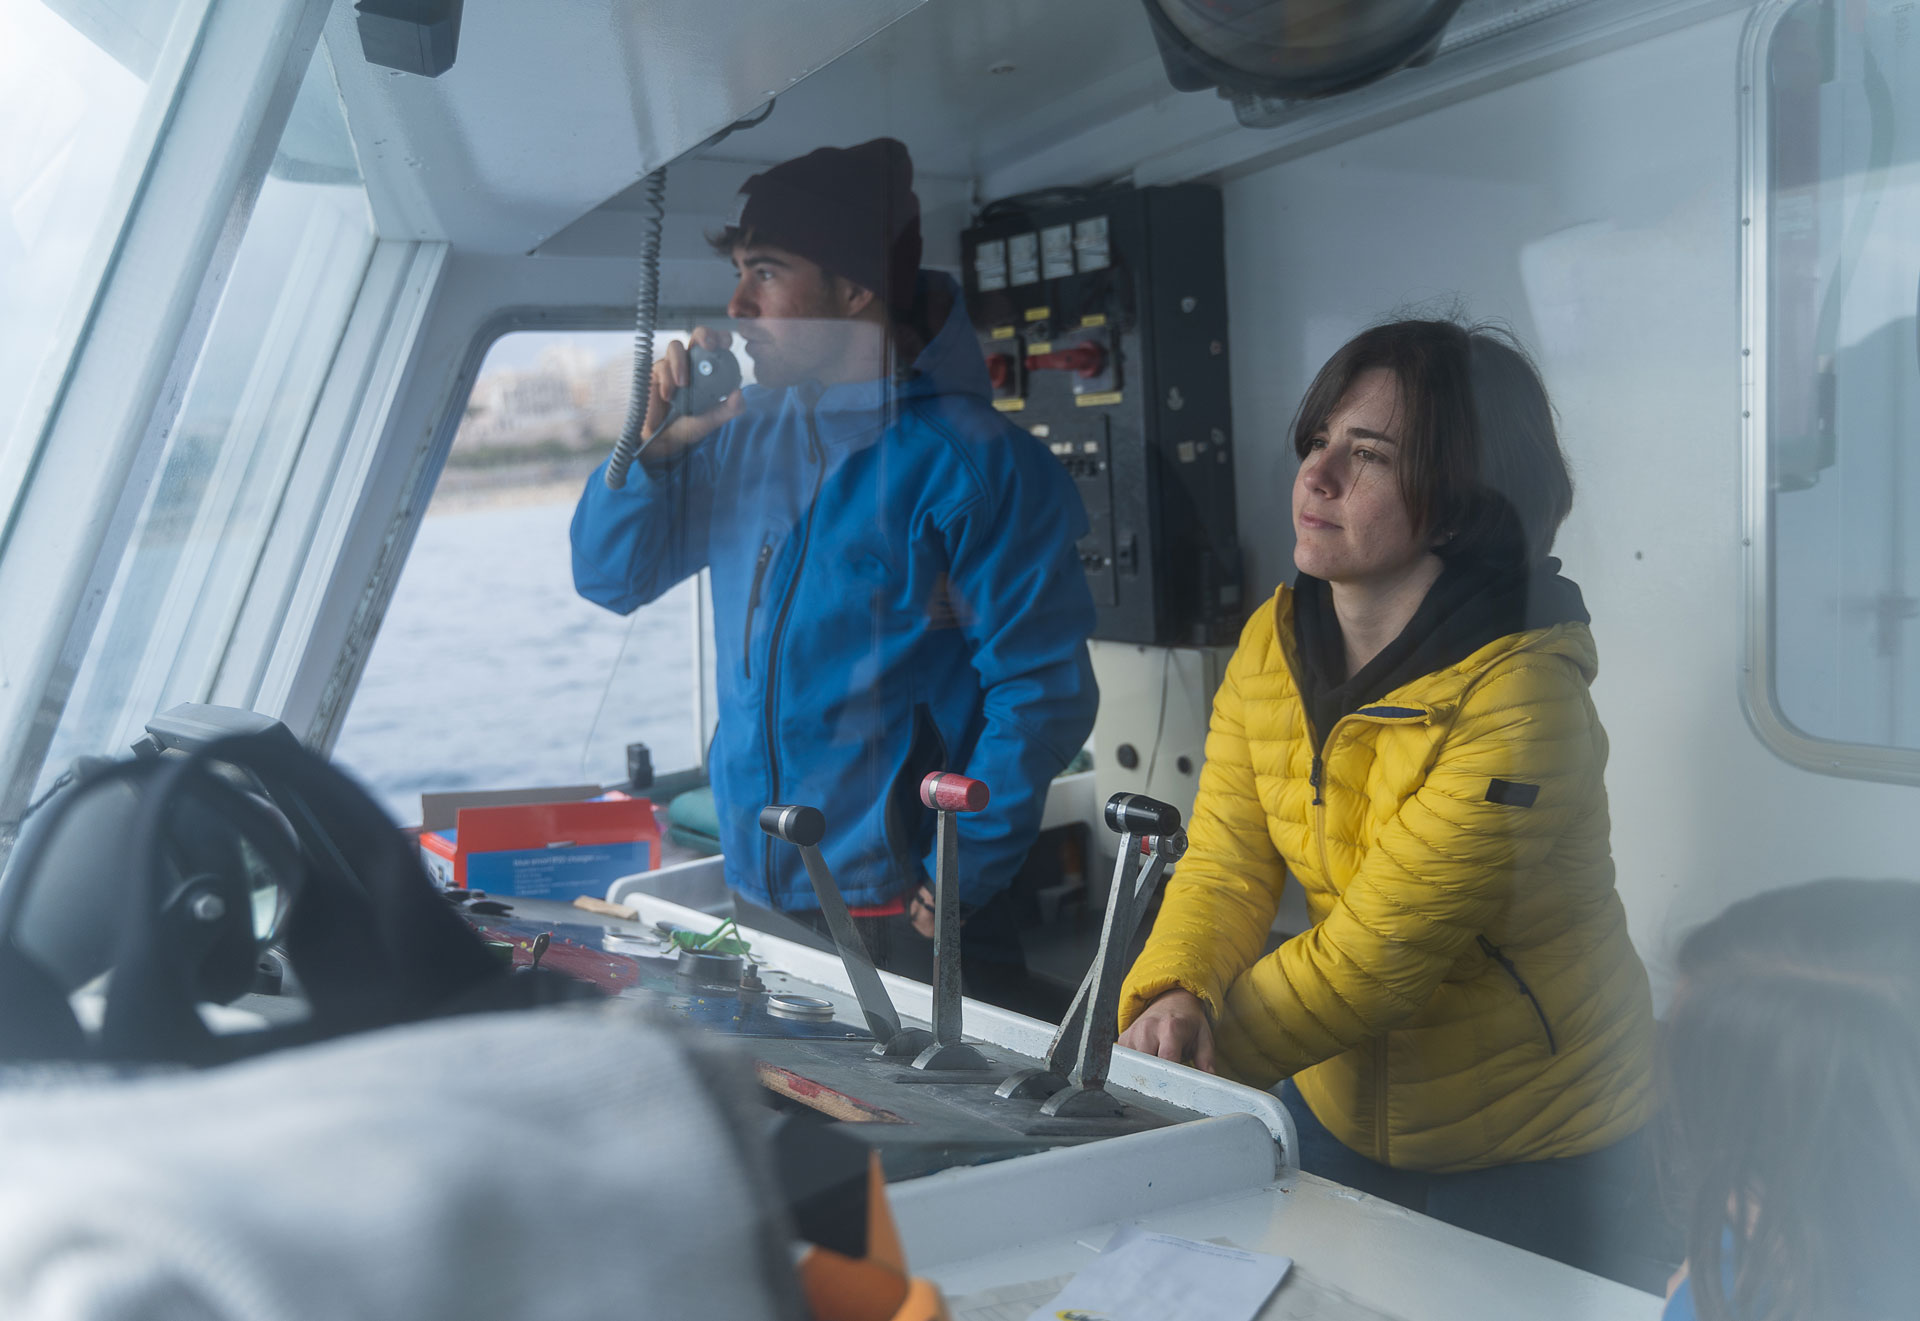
x=952 y=1055
x=907 y=1041
x=1030 y=1085
x=1094 y=1102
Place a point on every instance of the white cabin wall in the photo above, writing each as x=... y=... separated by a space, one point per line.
x=1594 y=208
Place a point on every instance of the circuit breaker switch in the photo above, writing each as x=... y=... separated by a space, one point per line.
x=1000 y=370
x=1085 y=358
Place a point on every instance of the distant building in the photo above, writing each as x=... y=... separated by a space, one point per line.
x=605 y=398
x=573 y=362
x=573 y=396
x=514 y=409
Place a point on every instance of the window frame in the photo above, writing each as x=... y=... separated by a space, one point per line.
x=68 y=524
x=355 y=650
x=191 y=647
x=175 y=61
x=1759 y=693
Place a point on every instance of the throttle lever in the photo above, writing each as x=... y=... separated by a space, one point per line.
x=804 y=827
x=1073 y=1082
x=948 y=795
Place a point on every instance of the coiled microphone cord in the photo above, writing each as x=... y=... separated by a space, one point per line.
x=646 y=312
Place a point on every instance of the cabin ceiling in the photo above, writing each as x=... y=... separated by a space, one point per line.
x=538 y=137
x=552 y=107
x=980 y=91
x=966 y=84
x=963 y=82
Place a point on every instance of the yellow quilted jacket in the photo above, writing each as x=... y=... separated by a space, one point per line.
x=1466 y=995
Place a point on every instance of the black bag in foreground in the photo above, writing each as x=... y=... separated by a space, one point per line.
x=170 y=876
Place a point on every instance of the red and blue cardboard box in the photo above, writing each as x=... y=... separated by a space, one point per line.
x=545 y=850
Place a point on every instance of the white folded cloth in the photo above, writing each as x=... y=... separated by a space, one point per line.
x=556 y=1164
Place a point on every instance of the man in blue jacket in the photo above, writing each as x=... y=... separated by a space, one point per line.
x=895 y=584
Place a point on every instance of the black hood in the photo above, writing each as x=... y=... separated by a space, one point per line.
x=1471 y=604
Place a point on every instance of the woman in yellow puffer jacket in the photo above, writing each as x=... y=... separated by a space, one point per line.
x=1407 y=732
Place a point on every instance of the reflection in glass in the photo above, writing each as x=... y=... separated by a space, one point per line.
x=73 y=80
x=209 y=511
x=1844 y=374
x=490 y=671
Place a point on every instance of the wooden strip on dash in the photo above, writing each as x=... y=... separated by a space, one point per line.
x=604 y=909
x=817 y=1096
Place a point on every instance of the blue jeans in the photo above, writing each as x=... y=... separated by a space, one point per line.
x=1600 y=1212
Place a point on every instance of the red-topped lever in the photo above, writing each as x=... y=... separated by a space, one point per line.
x=1085 y=358
x=1000 y=370
x=944 y=791
x=948 y=794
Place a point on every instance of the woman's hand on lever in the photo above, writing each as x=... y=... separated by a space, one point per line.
x=1174 y=1027
x=671 y=372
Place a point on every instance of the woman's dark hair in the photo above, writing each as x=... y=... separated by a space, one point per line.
x=1479 y=461
x=1791 y=1068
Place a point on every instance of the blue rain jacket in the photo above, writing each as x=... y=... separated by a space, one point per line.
x=895 y=590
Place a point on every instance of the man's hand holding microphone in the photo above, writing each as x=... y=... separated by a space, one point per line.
x=673 y=373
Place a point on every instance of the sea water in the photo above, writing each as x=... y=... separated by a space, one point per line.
x=490 y=672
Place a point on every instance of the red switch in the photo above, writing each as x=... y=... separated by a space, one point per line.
x=1085 y=358
x=1000 y=370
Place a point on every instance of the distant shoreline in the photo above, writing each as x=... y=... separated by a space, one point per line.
x=548 y=481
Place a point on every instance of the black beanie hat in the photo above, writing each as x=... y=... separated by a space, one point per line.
x=849 y=210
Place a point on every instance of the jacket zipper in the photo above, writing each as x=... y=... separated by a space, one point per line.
x=1380 y=1043
x=1317 y=778
x=771 y=708
x=1320 y=811
x=1499 y=956
x=753 y=603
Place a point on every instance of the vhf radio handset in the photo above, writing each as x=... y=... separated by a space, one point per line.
x=711 y=377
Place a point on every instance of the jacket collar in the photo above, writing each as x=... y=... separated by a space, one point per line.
x=1470 y=616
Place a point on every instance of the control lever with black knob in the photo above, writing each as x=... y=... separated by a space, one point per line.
x=1074 y=1081
x=804 y=827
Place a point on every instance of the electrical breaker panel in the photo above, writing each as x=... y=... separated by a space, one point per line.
x=1104 y=324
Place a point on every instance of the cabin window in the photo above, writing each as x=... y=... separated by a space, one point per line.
x=82 y=90
x=1833 y=206
x=490 y=671
x=170 y=615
